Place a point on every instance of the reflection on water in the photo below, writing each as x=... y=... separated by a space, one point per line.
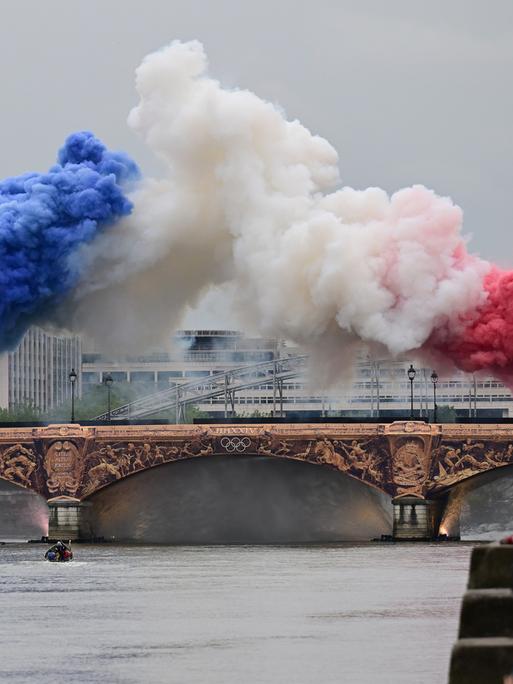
x=225 y=615
x=250 y=499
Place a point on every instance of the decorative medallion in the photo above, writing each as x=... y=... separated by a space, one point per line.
x=63 y=468
x=409 y=467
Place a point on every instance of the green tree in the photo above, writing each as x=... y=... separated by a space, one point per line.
x=94 y=402
x=25 y=412
x=254 y=414
x=191 y=412
x=446 y=414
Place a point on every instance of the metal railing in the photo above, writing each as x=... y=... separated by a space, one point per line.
x=225 y=383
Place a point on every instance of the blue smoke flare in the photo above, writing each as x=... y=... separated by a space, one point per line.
x=44 y=218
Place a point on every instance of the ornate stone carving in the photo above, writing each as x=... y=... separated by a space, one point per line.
x=456 y=460
x=63 y=468
x=364 y=459
x=405 y=457
x=410 y=465
x=17 y=464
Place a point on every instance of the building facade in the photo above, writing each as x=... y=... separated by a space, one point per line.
x=36 y=373
x=194 y=354
x=377 y=387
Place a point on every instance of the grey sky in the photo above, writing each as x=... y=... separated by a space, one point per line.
x=413 y=91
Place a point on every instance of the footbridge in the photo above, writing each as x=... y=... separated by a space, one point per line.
x=418 y=466
x=222 y=383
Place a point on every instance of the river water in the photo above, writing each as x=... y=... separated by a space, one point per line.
x=350 y=614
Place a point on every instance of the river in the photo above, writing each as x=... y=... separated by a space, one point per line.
x=344 y=614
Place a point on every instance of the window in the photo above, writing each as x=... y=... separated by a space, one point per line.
x=165 y=376
x=90 y=378
x=140 y=376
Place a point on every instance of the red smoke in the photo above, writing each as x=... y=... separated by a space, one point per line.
x=485 y=340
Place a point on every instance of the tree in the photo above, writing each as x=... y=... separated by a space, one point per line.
x=254 y=414
x=94 y=402
x=190 y=413
x=446 y=414
x=25 y=412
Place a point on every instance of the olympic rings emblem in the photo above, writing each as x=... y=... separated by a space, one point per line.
x=232 y=444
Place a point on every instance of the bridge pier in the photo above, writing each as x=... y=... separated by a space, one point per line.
x=69 y=519
x=416 y=519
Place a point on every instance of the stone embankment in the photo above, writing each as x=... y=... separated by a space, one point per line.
x=483 y=653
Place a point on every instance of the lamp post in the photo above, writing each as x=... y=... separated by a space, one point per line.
x=434 y=380
x=107 y=381
x=72 y=378
x=411 y=377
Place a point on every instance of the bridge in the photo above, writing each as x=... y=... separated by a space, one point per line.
x=221 y=384
x=418 y=467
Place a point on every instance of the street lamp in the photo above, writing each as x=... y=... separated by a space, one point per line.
x=434 y=380
x=72 y=378
x=411 y=378
x=107 y=380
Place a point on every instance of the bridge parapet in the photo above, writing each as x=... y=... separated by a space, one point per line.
x=405 y=458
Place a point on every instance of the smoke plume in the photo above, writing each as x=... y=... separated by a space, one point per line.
x=254 y=200
x=44 y=218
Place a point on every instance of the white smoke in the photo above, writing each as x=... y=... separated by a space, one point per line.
x=250 y=198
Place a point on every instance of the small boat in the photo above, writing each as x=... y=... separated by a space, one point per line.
x=59 y=553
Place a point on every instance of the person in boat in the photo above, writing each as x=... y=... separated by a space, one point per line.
x=53 y=554
x=59 y=552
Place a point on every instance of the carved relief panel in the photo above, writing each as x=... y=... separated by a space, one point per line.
x=18 y=463
x=63 y=466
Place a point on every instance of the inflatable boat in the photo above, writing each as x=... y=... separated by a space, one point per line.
x=59 y=553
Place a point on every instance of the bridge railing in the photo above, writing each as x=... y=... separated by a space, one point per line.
x=225 y=383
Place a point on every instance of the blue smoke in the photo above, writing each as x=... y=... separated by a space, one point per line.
x=44 y=218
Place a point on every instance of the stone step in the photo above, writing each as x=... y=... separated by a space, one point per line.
x=491 y=566
x=487 y=613
x=481 y=661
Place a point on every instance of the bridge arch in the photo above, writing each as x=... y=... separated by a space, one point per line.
x=460 y=495
x=244 y=499
x=108 y=474
x=477 y=479
x=24 y=512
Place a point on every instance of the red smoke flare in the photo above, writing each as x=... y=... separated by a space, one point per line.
x=486 y=341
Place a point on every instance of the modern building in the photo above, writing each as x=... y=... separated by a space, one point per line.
x=193 y=354
x=377 y=387
x=37 y=371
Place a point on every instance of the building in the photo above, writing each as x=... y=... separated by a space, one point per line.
x=36 y=373
x=193 y=354
x=377 y=387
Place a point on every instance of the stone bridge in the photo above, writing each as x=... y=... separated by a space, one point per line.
x=418 y=465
